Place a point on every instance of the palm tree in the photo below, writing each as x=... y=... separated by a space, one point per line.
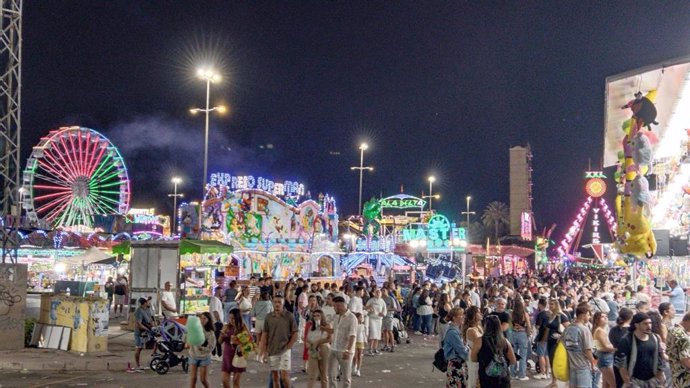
x=496 y=216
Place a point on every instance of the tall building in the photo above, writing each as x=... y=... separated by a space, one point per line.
x=520 y=187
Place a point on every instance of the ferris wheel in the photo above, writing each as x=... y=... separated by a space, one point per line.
x=73 y=174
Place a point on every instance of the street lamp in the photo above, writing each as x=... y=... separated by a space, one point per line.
x=175 y=181
x=431 y=179
x=468 y=213
x=210 y=76
x=361 y=169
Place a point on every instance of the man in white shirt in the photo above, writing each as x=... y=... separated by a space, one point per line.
x=474 y=296
x=356 y=304
x=215 y=307
x=343 y=347
x=328 y=309
x=168 y=305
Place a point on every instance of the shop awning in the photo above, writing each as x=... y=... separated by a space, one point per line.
x=122 y=248
x=204 y=246
x=91 y=256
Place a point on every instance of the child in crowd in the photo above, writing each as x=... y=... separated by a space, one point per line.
x=361 y=340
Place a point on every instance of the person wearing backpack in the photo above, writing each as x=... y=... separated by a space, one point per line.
x=494 y=354
x=640 y=357
x=578 y=341
x=454 y=349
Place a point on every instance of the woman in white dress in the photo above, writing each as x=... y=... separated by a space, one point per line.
x=376 y=308
x=471 y=332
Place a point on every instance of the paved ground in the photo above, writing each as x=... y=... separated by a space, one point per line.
x=409 y=366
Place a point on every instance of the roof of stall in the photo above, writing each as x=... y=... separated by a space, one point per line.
x=204 y=246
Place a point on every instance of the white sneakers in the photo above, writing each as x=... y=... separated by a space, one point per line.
x=356 y=372
x=540 y=376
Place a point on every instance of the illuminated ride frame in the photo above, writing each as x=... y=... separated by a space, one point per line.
x=270 y=232
x=73 y=174
x=596 y=206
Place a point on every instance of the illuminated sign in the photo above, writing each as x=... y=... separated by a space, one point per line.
x=147 y=212
x=526 y=226
x=596 y=237
x=285 y=188
x=142 y=219
x=594 y=174
x=437 y=234
x=402 y=201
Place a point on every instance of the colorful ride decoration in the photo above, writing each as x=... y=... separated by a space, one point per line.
x=371 y=215
x=72 y=175
x=635 y=235
x=595 y=209
x=272 y=233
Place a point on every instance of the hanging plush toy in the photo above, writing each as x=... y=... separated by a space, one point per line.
x=195 y=333
x=640 y=191
x=642 y=152
x=643 y=110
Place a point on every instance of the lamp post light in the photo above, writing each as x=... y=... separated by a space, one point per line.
x=175 y=181
x=361 y=169
x=431 y=179
x=468 y=213
x=210 y=76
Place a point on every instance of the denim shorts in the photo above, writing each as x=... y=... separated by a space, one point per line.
x=541 y=349
x=200 y=361
x=581 y=378
x=605 y=360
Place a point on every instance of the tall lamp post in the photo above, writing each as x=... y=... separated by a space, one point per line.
x=210 y=76
x=468 y=212
x=431 y=179
x=361 y=169
x=175 y=181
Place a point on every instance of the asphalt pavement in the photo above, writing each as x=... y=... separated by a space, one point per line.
x=408 y=366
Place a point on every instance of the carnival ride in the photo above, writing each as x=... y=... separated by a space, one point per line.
x=594 y=207
x=73 y=174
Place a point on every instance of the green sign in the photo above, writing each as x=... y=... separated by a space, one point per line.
x=438 y=234
x=402 y=201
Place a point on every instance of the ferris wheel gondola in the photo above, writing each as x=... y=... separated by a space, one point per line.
x=73 y=174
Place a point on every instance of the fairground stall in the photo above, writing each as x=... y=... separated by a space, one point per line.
x=275 y=228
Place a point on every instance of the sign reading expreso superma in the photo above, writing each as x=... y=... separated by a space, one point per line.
x=286 y=188
x=438 y=234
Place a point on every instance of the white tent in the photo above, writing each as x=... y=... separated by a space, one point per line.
x=90 y=256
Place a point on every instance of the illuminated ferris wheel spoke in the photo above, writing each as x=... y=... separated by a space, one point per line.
x=106 y=178
x=104 y=167
x=101 y=209
x=66 y=157
x=42 y=197
x=50 y=179
x=72 y=156
x=54 y=202
x=65 y=174
x=96 y=162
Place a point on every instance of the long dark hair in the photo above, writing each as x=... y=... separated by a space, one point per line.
x=237 y=320
x=209 y=321
x=471 y=320
x=313 y=322
x=519 y=312
x=493 y=334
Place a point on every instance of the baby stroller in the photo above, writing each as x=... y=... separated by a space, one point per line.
x=169 y=337
x=399 y=331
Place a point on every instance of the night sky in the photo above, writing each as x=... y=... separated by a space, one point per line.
x=442 y=88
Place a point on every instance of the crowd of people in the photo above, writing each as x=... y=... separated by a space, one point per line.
x=614 y=334
x=491 y=331
x=335 y=326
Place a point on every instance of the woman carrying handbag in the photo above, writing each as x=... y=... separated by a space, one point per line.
x=236 y=340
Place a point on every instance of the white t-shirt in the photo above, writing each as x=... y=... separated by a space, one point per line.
x=378 y=308
x=356 y=304
x=214 y=304
x=328 y=313
x=168 y=298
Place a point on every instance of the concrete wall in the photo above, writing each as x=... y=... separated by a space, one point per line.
x=12 y=305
